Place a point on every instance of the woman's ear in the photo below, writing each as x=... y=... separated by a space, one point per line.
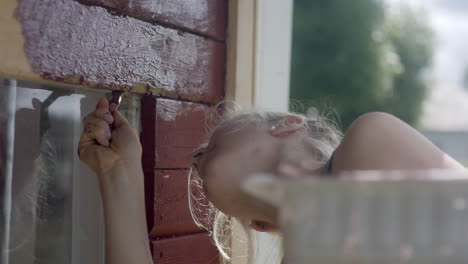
x=263 y=226
x=287 y=125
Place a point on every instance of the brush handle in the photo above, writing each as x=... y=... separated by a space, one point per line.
x=114 y=102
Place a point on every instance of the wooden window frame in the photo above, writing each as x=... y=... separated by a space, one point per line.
x=258 y=67
x=258 y=53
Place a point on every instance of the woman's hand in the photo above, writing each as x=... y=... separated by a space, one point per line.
x=108 y=143
x=110 y=147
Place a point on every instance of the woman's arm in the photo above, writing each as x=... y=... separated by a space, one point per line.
x=126 y=232
x=115 y=156
x=380 y=141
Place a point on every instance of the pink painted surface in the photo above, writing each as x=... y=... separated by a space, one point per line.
x=206 y=17
x=74 y=43
x=193 y=249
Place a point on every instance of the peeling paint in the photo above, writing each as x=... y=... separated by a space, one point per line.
x=73 y=43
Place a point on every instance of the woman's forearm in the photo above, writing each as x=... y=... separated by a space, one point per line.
x=126 y=236
x=111 y=148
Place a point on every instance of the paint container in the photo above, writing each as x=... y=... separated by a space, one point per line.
x=371 y=217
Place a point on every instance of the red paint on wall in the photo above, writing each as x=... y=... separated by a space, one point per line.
x=206 y=17
x=193 y=249
x=180 y=128
x=171 y=130
x=74 y=43
x=171 y=208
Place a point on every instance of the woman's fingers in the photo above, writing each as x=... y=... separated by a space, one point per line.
x=102 y=103
x=103 y=111
x=94 y=146
x=105 y=115
x=96 y=129
x=99 y=134
x=119 y=119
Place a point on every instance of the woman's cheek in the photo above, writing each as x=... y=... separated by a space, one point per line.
x=216 y=173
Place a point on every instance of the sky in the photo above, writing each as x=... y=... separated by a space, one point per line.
x=447 y=105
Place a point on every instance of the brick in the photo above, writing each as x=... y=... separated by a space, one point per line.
x=193 y=249
x=69 y=42
x=171 y=130
x=171 y=208
x=180 y=128
x=206 y=17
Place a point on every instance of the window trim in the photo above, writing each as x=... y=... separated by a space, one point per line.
x=258 y=66
x=258 y=53
x=9 y=103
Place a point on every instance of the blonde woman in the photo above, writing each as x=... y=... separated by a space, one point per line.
x=284 y=144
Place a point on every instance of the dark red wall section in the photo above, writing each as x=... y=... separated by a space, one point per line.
x=206 y=17
x=190 y=249
x=170 y=134
x=180 y=129
x=171 y=130
x=148 y=142
x=171 y=211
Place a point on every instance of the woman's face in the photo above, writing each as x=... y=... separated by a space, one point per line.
x=228 y=160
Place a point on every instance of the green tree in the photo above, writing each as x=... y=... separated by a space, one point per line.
x=335 y=56
x=355 y=59
x=412 y=38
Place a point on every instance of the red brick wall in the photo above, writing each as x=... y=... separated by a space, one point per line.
x=171 y=130
x=174 y=53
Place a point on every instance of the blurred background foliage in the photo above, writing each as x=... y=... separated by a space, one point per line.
x=355 y=57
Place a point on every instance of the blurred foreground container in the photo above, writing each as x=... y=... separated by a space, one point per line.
x=371 y=217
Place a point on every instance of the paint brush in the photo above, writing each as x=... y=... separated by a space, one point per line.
x=115 y=100
x=114 y=103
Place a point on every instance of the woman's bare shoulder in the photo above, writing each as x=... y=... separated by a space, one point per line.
x=381 y=141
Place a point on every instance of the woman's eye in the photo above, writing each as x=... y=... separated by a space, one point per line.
x=211 y=148
x=198 y=154
x=202 y=151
